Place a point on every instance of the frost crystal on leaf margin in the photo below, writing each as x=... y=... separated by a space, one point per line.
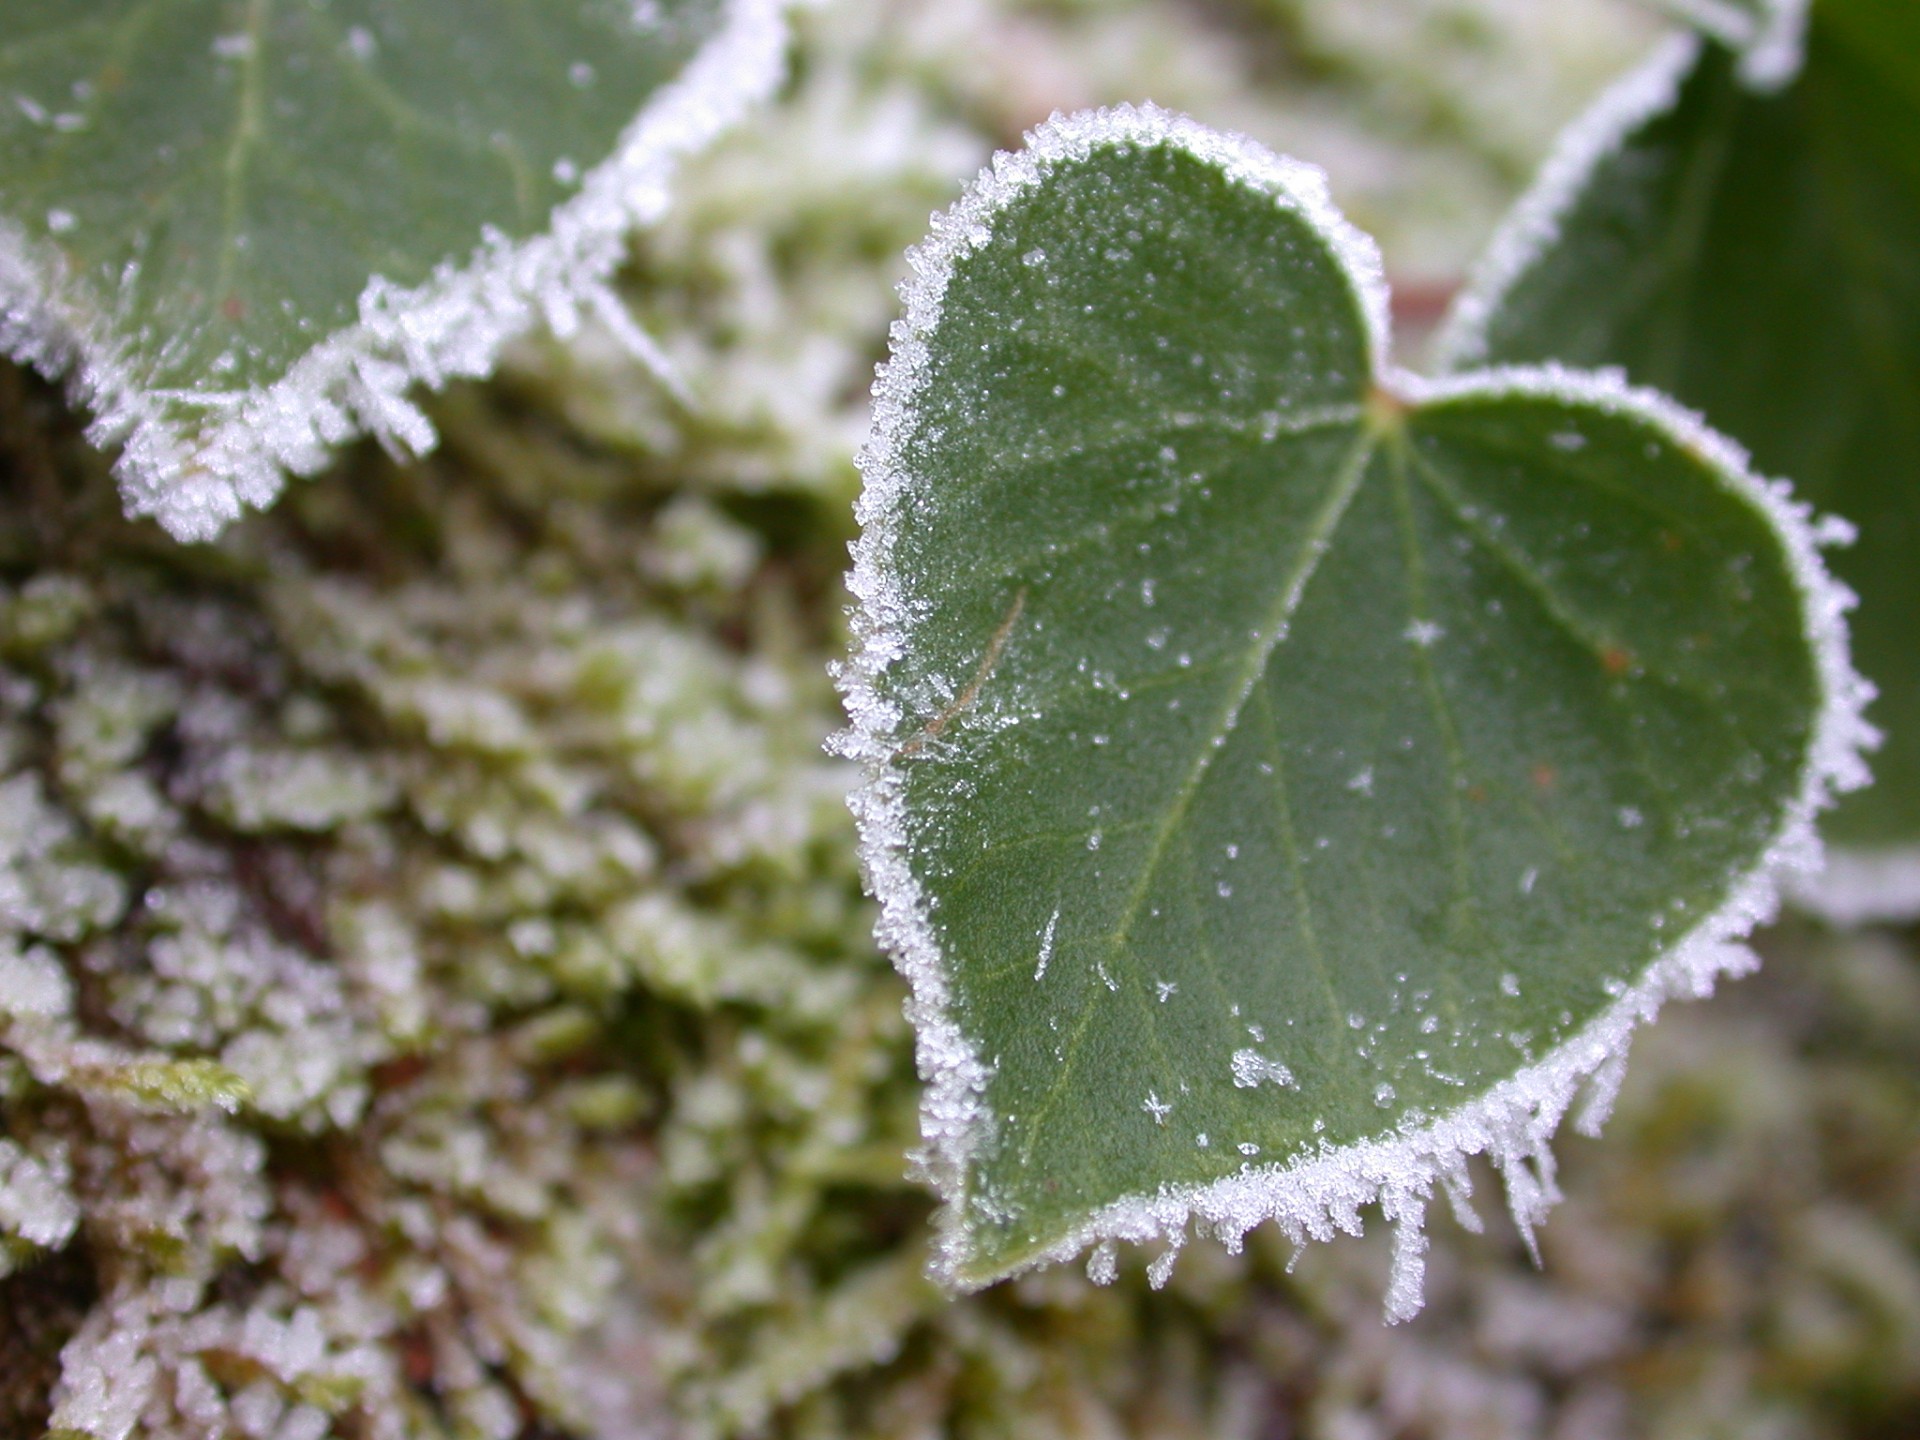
x=1514 y=1122
x=1769 y=34
x=355 y=381
x=1534 y=222
x=1771 y=53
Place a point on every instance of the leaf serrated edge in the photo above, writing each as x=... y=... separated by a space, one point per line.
x=355 y=381
x=1514 y=1122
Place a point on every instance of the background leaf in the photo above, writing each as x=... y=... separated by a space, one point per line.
x=1280 y=789
x=1767 y=32
x=251 y=225
x=1757 y=254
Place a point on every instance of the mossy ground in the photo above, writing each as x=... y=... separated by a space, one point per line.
x=438 y=998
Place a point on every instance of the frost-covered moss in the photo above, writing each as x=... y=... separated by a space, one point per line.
x=435 y=994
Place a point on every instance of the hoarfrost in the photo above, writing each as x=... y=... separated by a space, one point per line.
x=1251 y=1068
x=1771 y=46
x=1046 y=945
x=1406 y=1211
x=1161 y=1269
x=33 y=983
x=553 y=1314
x=107 y=1376
x=1513 y=1122
x=356 y=381
x=35 y=1202
x=1769 y=34
x=1534 y=223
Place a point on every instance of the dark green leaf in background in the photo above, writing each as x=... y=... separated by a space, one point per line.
x=1756 y=253
x=1286 y=780
x=222 y=212
x=1767 y=32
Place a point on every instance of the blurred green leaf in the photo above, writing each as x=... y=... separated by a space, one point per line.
x=224 y=212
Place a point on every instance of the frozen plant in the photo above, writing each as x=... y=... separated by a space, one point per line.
x=246 y=245
x=1428 y=734
x=503 y=1051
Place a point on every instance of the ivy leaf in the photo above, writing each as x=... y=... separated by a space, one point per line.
x=1285 y=778
x=247 y=226
x=1756 y=253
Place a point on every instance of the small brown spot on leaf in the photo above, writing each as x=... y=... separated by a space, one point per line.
x=1615 y=660
x=233 y=308
x=1544 y=777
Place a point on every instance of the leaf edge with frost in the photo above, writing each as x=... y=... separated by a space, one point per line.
x=1771 y=58
x=1514 y=1121
x=1770 y=35
x=354 y=382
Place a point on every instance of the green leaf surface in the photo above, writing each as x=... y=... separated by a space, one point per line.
x=248 y=224
x=1756 y=253
x=1286 y=778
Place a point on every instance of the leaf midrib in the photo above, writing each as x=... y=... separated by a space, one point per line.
x=247 y=136
x=1348 y=481
x=1318 y=540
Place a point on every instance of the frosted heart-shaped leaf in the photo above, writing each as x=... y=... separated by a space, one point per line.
x=247 y=229
x=1755 y=251
x=1285 y=778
